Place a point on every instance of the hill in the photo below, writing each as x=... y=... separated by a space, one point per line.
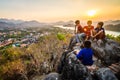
x=39 y=58
x=65 y=24
x=113 y=27
x=11 y=23
x=114 y=22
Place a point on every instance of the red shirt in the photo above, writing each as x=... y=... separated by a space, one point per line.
x=87 y=30
x=79 y=29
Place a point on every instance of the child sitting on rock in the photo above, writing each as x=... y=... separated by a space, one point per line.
x=99 y=32
x=86 y=54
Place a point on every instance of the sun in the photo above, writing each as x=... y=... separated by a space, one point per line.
x=91 y=12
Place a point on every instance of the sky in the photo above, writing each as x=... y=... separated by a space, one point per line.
x=59 y=10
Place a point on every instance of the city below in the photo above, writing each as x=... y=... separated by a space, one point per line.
x=19 y=38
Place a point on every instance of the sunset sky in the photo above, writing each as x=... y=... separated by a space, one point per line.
x=56 y=10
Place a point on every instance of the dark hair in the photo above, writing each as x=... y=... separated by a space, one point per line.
x=77 y=21
x=87 y=44
x=89 y=21
x=101 y=23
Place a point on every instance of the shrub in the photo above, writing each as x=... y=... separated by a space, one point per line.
x=10 y=69
x=116 y=38
x=61 y=36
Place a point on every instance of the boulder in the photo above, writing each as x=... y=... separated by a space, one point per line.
x=52 y=76
x=107 y=51
x=72 y=68
x=105 y=74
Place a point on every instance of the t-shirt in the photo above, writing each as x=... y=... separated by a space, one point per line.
x=99 y=29
x=85 y=55
x=102 y=35
x=87 y=30
x=79 y=29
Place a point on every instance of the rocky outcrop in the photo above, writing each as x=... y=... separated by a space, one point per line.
x=105 y=74
x=73 y=69
x=107 y=51
x=52 y=76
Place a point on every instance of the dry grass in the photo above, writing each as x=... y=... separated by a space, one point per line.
x=38 y=58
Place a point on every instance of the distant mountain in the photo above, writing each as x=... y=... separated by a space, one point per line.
x=65 y=24
x=11 y=23
x=114 y=22
x=58 y=23
x=69 y=24
x=113 y=27
x=32 y=24
x=4 y=25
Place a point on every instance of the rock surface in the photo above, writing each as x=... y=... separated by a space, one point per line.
x=106 y=53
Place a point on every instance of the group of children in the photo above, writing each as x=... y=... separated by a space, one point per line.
x=90 y=31
x=85 y=55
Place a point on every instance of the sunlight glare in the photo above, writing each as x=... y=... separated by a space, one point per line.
x=91 y=13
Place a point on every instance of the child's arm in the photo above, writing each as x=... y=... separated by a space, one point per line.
x=75 y=29
x=98 y=33
x=92 y=33
x=86 y=38
x=79 y=55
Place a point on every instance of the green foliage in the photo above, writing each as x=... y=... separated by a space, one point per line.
x=10 y=68
x=10 y=54
x=110 y=36
x=116 y=38
x=61 y=36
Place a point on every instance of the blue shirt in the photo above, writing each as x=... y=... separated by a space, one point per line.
x=85 y=55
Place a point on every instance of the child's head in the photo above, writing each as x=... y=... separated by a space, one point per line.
x=100 y=24
x=89 y=22
x=77 y=22
x=87 y=44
